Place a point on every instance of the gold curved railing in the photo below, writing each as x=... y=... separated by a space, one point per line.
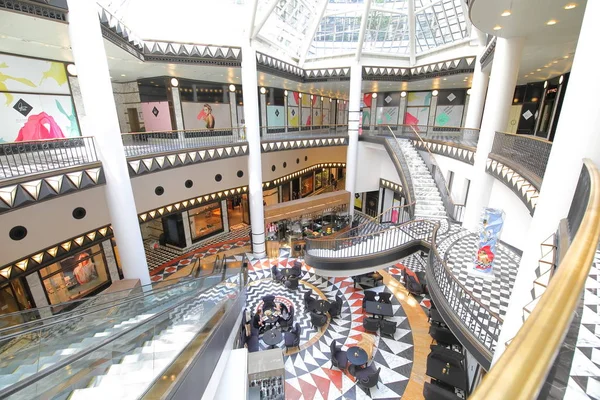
x=522 y=369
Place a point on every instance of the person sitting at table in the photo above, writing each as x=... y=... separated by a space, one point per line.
x=257 y=321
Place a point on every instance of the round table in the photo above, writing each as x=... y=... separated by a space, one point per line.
x=357 y=356
x=271 y=319
x=321 y=306
x=272 y=337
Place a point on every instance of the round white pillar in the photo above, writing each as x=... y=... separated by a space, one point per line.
x=577 y=137
x=507 y=58
x=477 y=96
x=353 y=127
x=251 y=114
x=96 y=90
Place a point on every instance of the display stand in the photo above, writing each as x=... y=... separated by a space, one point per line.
x=266 y=375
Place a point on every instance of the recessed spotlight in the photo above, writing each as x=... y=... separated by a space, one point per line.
x=565 y=57
x=497 y=27
x=570 y=6
x=123 y=75
x=554 y=62
x=551 y=22
x=506 y=13
x=539 y=70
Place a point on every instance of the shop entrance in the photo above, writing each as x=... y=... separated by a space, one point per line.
x=13 y=298
x=238 y=212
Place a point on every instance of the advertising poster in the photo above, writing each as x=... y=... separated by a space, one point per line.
x=492 y=221
x=449 y=116
x=387 y=115
x=305 y=100
x=30 y=75
x=306 y=116
x=366 y=116
x=34 y=117
x=293 y=117
x=419 y=98
x=358 y=201
x=326 y=116
x=157 y=116
x=206 y=115
x=293 y=99
x=317 y=119
x=275 y=116
x=416 y=115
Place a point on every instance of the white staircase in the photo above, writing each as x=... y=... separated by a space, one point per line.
x=429 y=203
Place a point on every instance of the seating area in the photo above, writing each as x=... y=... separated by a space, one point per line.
x=380 y=306
x=269 y=324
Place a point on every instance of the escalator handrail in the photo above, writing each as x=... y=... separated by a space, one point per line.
x=20 y=385
x=62 y=319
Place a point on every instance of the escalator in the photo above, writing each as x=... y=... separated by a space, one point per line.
x=117 y=346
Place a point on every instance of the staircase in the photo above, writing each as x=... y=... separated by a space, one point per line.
x=429 y=203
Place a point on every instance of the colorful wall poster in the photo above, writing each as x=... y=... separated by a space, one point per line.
x=358 y=201
x=31 y=75
x=450 y=116
x=366 y=116
x=157 y=116
x=492 y=220
x=419 y=98
x=367 y=100
x=416 y=115
x=293 y=99
x=275 y=116
x=206 y=115
x=306 y=116
x=387 y=115
x=293 y=117
x=317 y=117
x=391 y=99
x=306 y=100
x=326 y=116
x=37 y=116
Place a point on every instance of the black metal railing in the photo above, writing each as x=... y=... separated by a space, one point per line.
x=25 y=158
x=403 y=171
x=463 y=136
x=477 y=318
x=580 y=202
x=286 y=132
x=527 y=155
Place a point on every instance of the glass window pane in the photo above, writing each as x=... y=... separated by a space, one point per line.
x=205 y=220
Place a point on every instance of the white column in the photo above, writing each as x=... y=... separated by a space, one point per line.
x=285 y=112
x=225 y=213
x=402 y=110
x=233 y=111
x=263 y=113
x=507 y=58
x=577 y=137
x=250 y=89
x=194 y=93
x=111 y=260
x=178 y=112
x=373 y=121
x=94 y=80
x=432 y=111
x=477 y=96
x=353 y=127
x=187 y=232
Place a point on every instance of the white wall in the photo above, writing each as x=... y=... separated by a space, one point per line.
x=517 y=219
x=462 y=173
x=373 y=163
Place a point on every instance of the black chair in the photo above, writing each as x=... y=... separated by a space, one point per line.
x=308 y=299
x=317 y=320
x=436 y=318
x=292 y=338
x=369 y=296
x=443 y=335
x=291 y=282
x=385 y=298
x=285 y=323
x=277 y=275
x=339 y=359
x=422 y=276
x=432 y=391
x=387 y=327
x=371 y=324
x=447 y=366
x=252 y=344
x=268 y=302
x=336 y=307
x=297 y=268
x=367 y=378
x=412 y=282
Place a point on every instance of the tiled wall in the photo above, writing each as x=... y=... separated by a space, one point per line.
x=127 y=96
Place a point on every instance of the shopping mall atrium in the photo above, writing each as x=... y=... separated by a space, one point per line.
x=299 y=199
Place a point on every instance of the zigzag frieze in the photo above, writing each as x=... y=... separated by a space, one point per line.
x=523 y=188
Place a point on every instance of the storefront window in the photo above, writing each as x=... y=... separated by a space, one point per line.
x=75 y=277
x=117 y=257
x=205 y=221
x=307 y=185
x=270 y=196
x=318 y=179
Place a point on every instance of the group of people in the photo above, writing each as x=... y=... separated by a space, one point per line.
x=258 y=321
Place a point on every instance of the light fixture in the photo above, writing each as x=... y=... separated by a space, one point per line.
x=447 y=79
x=299 y=95
x=232 y=88
x=561 y=79
x=565 y=57
x=534 y=99
x=551 y=22
x=123 y=75
x=174 y=82
x=497 y=27
x=311 y=97
x=555 y=62
x=434 y=93
x=506 y=13
x=330 y=100
x=539 y=70
x=570 y=6
x=263 y=90
x=469 y=92
x=321 y=98
x=545 y=84
x=374 y=95
x=402 y=94
x=285 y=92
x=515 y=100
x=72 y=69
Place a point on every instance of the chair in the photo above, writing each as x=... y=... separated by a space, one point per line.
x=308 y=299
x=277 y=275
x=432 y=391
x=285 y=323
x=292 y=338
x=291 y=282
x=443 y=335
x=368 y=378
x=297 y=269
x=369 y=296
x=339 y=359
x=447 y=366
x=436 y=318
x=336 y=308
x=385 y=298
x=371 y=324
x=317 y=320
x=387 y=328
x=252 y=344
x=268 y=302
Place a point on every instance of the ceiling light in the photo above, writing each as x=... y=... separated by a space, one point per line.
x=330 y=100
x=545 y=84
x=263 y=90
x=554 y=62
x=469 y=92
x=174 y=82
x=232 y=88
x=123 y=75
x=539 y=70
x=561 y=79
x=565 y=57
x=300 y=95
x=403 y=94
x=374 y=95
x=551 y=22
x=570 y=6
x=435 y=93
x=506 y=13
x=72 y=69
x=285 y=92
x=497 y=27
x=445 y=79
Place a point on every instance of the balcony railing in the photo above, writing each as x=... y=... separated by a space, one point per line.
x=461 y=136
x=527 y=155
x=283 y=132
x=26 y=158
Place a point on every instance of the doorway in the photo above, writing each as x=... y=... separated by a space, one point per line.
x=134 y=120
x=238 y=212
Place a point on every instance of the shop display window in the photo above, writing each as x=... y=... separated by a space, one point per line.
x=75 y=277
x=13 y=298
x=205 y=221
x=307 y=185
x=318 y=179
